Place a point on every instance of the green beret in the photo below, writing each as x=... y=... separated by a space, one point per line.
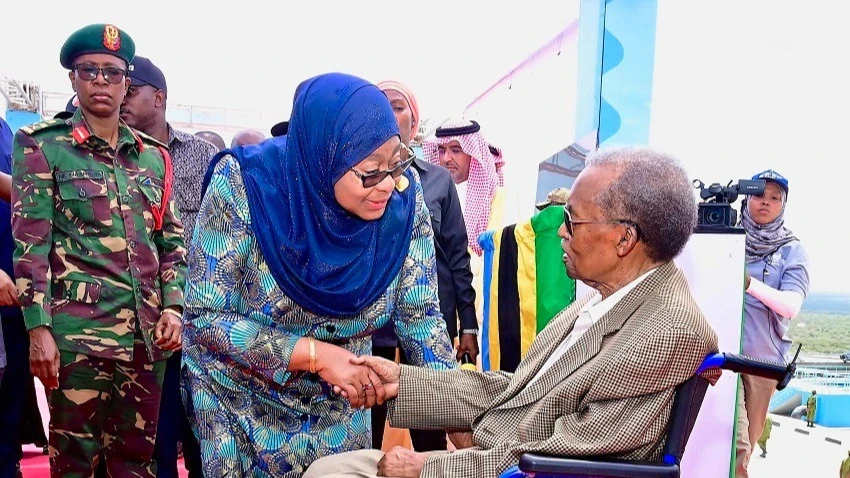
x=99 y=38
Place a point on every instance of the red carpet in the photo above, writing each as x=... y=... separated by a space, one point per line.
x=35 y=464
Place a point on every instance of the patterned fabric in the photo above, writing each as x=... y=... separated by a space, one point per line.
x=253 y=416
x=764 y=240
x=609 y=395
x=88 y=260
x=105 y=408
x=191 y=156
x=485 y=175
x=326 y=259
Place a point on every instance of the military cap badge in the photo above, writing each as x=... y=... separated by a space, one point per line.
x=111 y=37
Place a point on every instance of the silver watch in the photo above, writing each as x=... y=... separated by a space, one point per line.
x=469 y=332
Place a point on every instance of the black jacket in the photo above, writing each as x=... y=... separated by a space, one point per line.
x=454 y=276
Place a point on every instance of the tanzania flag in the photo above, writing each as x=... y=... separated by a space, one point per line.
x=525 y=286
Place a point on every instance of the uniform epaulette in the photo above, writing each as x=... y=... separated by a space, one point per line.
x=43 y=125
x=149 y=139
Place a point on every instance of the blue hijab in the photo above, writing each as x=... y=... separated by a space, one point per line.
x=325 y=259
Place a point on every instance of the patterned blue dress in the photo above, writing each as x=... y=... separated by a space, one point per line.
x=251 y=415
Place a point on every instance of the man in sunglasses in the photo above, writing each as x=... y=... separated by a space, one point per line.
x=144 y=108
x=99 y=264
x=600 y=378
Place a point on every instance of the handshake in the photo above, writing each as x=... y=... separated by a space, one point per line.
x=365 y=381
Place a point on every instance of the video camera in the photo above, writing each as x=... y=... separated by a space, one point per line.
x=715 y=210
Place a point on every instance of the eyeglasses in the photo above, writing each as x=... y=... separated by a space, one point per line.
x=113 y=75
x=372 y=179
x=569 y=223
x=411 y=154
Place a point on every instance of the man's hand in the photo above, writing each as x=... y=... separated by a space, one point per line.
x=747 y=280
x=168 y=331
x=402 y=462
x=44 y=357
x=468 y=344
x=387 y=370
x=8 y=290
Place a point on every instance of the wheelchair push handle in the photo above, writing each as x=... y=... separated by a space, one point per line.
x=739 y=363
x=751 y=366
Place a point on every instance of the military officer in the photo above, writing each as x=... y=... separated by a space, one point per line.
x=99 y=265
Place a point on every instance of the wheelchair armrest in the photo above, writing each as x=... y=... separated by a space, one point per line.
x=548 y=466
x=738 y=363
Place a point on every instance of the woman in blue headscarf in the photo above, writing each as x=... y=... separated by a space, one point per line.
x=304 y=246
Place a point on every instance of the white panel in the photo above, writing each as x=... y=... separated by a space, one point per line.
x=714 y=267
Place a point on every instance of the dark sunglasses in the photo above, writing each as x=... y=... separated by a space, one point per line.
x=371 y=180
x=569 y=222
x=113 y=75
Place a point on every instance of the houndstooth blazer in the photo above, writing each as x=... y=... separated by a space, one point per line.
x=609 y=395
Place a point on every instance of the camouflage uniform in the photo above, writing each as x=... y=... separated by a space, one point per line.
x=96 y=264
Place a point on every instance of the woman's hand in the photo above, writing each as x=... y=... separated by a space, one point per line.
x=358 y=383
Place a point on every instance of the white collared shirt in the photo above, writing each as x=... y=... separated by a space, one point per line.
x=587 y=316
x=461 y=195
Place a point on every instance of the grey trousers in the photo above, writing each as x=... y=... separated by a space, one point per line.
x=354 y=464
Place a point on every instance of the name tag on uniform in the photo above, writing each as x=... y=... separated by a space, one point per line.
x=62 y=176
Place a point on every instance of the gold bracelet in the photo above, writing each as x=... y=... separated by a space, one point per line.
x=312 y=354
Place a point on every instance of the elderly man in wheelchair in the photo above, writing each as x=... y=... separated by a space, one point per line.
x=604 y=377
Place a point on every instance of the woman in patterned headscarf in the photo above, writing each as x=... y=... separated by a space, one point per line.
x=305 y=245
x=776 y=283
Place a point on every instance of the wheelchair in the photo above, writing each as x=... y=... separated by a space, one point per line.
x=686 y=404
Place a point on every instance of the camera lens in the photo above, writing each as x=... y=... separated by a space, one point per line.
x=714 y=217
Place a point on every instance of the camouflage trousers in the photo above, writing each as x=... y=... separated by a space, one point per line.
x=105 y=410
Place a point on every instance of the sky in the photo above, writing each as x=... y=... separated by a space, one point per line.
x=242 y=56
x=757 y=85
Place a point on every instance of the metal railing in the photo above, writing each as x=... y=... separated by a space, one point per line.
x=20 y=95
x=824 y=375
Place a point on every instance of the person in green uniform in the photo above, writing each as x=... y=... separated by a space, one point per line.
x=844 y=471
x=811 y=408
x=99 y=265
x=765 y=435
